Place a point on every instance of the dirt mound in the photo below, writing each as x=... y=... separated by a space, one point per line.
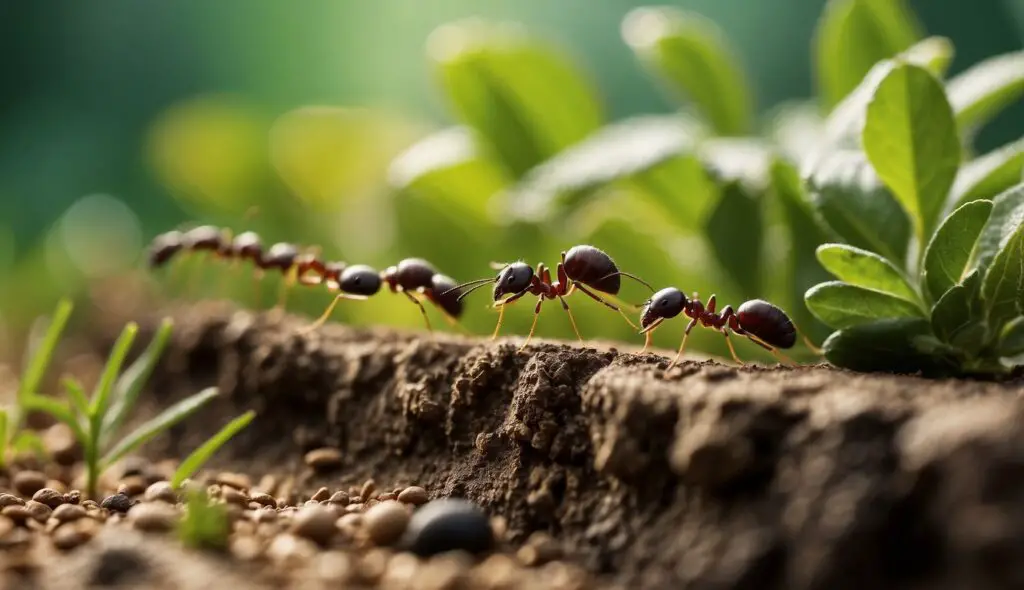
x=706 y=477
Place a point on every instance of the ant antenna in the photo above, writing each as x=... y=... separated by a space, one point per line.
x=474 y=284
x=626 y=274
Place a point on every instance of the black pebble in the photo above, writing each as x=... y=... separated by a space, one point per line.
x=117 y=503
x=448 y=525
x=116 y=566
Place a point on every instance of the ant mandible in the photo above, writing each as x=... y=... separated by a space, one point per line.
x=763 y=323
x=581 y=267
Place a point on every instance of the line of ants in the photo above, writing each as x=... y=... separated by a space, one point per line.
x=582 y=268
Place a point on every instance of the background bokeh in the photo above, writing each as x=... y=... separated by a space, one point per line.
x=121 y=121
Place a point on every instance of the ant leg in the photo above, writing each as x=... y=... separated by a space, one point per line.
x=775 y=351
x=536 y=316
x=603 y=302
x=572 y=320
x=327 y=312
x=732 y=350
x=807 y=341
x=423 y=310
x=282 y=294
x=682 y=345
x=501 y=314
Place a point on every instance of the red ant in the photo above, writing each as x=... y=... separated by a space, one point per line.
x=763 y=323
x=411 y=277
x=581 y=267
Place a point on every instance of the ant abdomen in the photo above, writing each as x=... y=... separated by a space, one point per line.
x=164 y=247
x=281 y=256
x=204 y=237
x=247 y=246
x=411 y=274
x=359 y=279
x=444 y=294
x=767 y=322
x=592 y=267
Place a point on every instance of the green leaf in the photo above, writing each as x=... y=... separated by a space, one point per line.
x=979 y=93
x=101 y=394
x=448 y=168
x=849 y=196
x=158 y=424
x=988 y=175
x=882 y=346
x=619 y=151
x=842 y=305
x=735 y=230
x=845 y=124
x=1003 y=287
x=76 y=393
x=205 y=524
x=4 y=418
x=130 y=384
x=852 y=36
x=693 y=58
x=866 y=269
x=950 y=249
x=911 y=139
x=524 y=99
x=745 y=160
x=1011 y=340
x=200 y=456
x=29 y=442
x=955 y=315
x=41 y=353
x=59 y=411
x=1007 y=215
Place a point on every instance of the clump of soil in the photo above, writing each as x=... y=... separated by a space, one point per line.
x=708 y=476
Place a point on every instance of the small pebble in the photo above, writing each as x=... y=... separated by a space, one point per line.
x=321 y=495
x=350 y=522
x=448 y=525
x=10 y=500
x=540 y=548
x=263 y=499
x=161 y=491
x=49 y=496
x=62 y=445
x=386 y=497
x=239 y=481
x=315 y=523
x=29 y=482
x=38 y=510
x=324 y=459
x=340 y=498
x=117 y=503
x=369 y=487
x=414 y=495
x=68 y=512
x=132 y=486
x=386 y=522
x=18 y=514
x=73 y=497
x=153 y=516
x=233 y=496
x=290 y=551
x=69 y=537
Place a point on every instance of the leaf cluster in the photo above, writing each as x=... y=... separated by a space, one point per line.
x=928 y=258
x=97 y=419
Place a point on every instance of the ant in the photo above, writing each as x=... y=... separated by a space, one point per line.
x=581 y=267
x=763 y=323
x=411 y=277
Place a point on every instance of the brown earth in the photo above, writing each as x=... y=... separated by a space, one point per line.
x=709 y=476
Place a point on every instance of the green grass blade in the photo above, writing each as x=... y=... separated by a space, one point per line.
x=29 y=441
x=76 y=393
x=193 y=462
x=163 y=421
x=101 y=395
x=60 y=412
x=129 y=385
x=39 y=355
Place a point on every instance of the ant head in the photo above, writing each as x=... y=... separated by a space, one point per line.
x=446 y=294
x=360 y=279
x=514 y=278
x=663 y=305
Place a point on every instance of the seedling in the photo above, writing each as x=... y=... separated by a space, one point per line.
x=205 y=524
x=96 y=421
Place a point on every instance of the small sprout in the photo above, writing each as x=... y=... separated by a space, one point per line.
x=200 y=456
x=205 y=525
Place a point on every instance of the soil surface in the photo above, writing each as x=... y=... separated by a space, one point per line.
x=707 y=476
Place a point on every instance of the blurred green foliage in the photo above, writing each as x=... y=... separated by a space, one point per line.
x=548 y=147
